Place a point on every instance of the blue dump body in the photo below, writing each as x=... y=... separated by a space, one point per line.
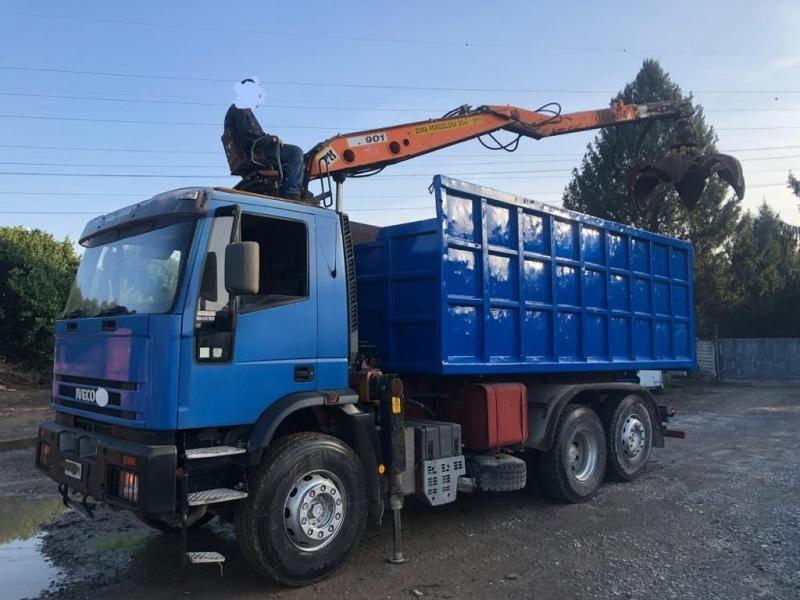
x=497 y=283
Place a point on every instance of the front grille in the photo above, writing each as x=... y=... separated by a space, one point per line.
x=93 y=426
x=105 y=410
x=106 y=383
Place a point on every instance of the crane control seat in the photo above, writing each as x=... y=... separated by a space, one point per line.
x=253 y=155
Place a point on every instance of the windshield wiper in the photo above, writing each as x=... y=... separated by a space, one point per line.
x=115 y=310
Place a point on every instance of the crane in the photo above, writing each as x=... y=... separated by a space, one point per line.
x=369 y=151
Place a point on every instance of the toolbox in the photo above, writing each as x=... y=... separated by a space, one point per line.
x=491 y=415
x=435 y=439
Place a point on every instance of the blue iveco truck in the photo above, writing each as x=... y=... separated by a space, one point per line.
x=230 y=354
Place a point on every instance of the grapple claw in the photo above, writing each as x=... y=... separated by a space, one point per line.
x=645 y=180
x=688 y=170
x=728 y=169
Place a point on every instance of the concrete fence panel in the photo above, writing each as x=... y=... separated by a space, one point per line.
x=759 y=359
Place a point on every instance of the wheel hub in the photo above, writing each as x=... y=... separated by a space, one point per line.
x=582 y=455
x=633 y=436
x=314 y=510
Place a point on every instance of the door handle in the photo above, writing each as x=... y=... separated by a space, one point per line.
x=304 y=373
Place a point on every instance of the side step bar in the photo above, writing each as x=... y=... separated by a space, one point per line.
x=216 y=495
x=214 y=452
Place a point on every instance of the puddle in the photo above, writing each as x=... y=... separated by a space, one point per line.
x=24 y=570
x=47 y=551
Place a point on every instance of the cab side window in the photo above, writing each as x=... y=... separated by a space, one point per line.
x=213 y=319
x=283 y=260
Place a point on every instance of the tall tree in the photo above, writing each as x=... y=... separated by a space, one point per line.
x=36 y=272
x=600 y=187
x=794 y=184
x=765 y=278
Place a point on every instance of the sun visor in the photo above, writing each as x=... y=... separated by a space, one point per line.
x=180 y=203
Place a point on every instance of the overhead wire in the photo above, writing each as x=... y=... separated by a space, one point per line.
x=350 y=196
x=377 y=170
x=133 y=122
x=396 y=167
x=377 y=107
x=220 y=104
x=340 y=128
x=420 y=87
x=440 y=155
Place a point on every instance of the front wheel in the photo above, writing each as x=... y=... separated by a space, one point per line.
x=573 y=468
x=306 y=509
x=630 y=436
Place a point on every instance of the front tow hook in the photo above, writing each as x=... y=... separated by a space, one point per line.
x=83 y=507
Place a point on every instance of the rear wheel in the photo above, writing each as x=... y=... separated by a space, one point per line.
x=629 y=433
x=572 y=470
x=306 y=509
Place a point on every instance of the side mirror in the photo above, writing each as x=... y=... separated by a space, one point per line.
x=242 y=268
x=208 y=284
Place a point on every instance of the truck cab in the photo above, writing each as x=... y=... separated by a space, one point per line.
x=157 y=355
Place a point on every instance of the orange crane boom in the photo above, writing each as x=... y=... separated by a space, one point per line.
x=684 y=166
x=352 y=153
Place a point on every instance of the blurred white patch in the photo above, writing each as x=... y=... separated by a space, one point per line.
x=249 y=93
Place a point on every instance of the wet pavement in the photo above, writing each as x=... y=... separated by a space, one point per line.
x=714 y=516
x=24 y=570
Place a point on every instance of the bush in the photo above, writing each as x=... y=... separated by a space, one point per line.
x=36 y=273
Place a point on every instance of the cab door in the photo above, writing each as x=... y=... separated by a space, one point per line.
x=249 y=351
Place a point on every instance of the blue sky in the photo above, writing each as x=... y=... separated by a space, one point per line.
x=576 y=53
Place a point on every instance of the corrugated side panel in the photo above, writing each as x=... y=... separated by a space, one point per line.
x=398 y=280
x=502 y=284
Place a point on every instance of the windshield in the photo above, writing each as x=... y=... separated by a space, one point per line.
x=136 y=274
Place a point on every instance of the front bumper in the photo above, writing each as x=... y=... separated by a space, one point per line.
x=128 y=474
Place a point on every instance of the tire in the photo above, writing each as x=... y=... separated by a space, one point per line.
x=306 y=478
x=629 y=435
x=573 y=468
x=497 y=473
x=165 y=527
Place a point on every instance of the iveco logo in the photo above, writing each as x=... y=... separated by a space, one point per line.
x=98 y=396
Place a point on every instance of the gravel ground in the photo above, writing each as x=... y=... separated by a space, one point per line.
x=21 y=411
x=714 y=516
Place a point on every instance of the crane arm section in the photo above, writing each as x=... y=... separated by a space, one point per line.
x=358 y=152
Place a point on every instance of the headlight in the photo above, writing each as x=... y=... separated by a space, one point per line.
x=123 y=484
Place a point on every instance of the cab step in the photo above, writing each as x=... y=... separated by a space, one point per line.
x=203 y=558
x=216 y=495
x=214 y=452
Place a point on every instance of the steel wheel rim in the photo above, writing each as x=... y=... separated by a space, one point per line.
x=582 y=455
x=314 y=510
x=633 y=437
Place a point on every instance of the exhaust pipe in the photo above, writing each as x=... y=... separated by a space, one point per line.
x=687 y=169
